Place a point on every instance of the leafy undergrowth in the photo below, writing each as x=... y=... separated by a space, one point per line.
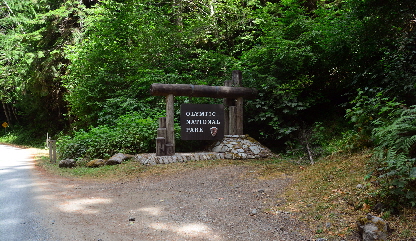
x=324 y=195
x=333 y=193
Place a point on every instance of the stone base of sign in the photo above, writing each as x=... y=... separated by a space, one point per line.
x=231 y=147
x=152 y=159
x=241 y=147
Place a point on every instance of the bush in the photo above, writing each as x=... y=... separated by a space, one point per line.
x=371 y=109
x=395 y=156
x=131 y=134
x=391 y=128
x=23 y=136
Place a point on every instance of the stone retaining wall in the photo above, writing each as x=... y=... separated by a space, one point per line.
x=152 y=159
x=231 y=147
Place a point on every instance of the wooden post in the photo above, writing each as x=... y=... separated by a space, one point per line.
x=161 y=137
x=239 y=116
x=52 y=150
x=227 y=103
x=160 y=146
x=161 y=131
x=170 y=149
x=236 y=78
x=170 y=131
x=233 y=115
x=234 y=126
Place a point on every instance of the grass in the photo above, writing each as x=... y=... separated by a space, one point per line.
x=131 y=169
x=323 y=195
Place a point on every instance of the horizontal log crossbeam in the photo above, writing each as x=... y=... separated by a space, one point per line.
x=202 y=91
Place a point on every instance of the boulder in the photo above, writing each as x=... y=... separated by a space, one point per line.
x=241 y=147
x=67 y=163
x=372 y=228
x=96 y=163
x=117 y=159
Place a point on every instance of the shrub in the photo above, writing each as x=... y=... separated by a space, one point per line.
x=131 y=134
x=395 y=156
x=23 y=136
x=391 y=128
x=371 y=109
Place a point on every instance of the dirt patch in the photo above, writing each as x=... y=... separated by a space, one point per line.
x=214 y=203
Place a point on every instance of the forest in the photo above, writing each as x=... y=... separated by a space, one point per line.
x=335 y=75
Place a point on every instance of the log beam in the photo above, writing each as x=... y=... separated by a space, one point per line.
x=202 y=91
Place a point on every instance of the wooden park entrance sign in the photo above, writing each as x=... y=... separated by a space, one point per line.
x=201 y=122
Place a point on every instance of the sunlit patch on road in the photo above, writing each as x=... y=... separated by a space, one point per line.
x=154 y=211
x=84 y=205
x=188 y=230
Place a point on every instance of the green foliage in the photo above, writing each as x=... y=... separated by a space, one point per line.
x=19 y=135
x=278 y=67
x=391 y=127
x=371 y=109
x=310 y=142
x=32 y=62
x=313 y=58
x=131 y=134
x=125 y=47
x=64 y=66
x=395 y=158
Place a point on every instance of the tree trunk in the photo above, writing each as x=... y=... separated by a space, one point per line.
x=7 y=113
x=15 y=114
x=177 y=6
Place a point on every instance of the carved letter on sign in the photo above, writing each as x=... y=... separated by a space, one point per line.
x=202 y=122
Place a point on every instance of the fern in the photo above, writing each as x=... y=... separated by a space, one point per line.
x=395 y=155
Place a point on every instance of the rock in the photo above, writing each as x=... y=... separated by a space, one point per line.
x=241 y=147
x=117 y=159
x=67 y=163
x=96 y=163
x=253 y=212
x=255 y=149
x=372 y=228
x=360 y=186
x=220 y=149
x=379 y=207
x=229 y=156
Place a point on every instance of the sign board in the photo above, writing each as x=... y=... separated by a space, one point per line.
x=5 y=124
x=202 y=122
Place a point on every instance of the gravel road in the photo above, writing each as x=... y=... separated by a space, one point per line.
x=19 y=211
x=218 y=204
